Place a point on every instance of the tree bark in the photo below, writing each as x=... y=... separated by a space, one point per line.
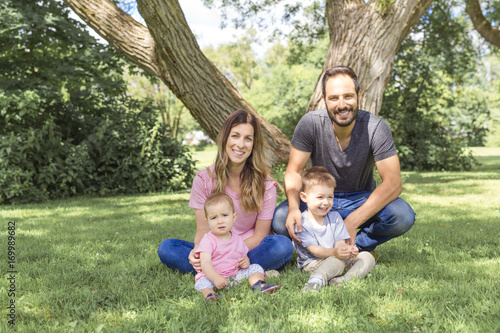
x=490 y=33
x=168 y=49
x=366 y=39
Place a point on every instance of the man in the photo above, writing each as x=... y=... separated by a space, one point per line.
x=349 y=142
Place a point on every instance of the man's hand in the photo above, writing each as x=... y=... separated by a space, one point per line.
x=294 y=218
x=194 y=260
x=244 y=262
x=220 y=282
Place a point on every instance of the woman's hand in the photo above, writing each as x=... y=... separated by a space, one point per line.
x=194 y=260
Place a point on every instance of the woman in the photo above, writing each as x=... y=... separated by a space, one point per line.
x=241 y=172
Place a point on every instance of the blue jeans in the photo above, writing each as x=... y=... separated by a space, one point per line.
x=273 y=252
x=392 y=221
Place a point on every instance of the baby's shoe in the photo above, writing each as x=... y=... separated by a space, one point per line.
x=264 y=287
x=212 y=297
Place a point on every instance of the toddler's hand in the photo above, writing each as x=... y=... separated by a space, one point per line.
x=343 y=252
x=354 y=251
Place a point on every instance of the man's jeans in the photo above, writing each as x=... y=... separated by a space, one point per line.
x=392 y=221
x=273 y=252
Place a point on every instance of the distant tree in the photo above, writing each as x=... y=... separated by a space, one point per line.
x=144 y=86
x=236 y=60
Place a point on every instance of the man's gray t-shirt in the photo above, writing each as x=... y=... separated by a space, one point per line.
x=332 y=230
x=371 y=141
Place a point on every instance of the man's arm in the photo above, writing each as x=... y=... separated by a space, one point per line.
x=293 y=183
x=390 y=188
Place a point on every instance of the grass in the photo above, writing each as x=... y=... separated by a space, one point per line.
x=205 y=157
x=90 y=265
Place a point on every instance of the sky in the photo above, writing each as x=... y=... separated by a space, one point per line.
x=205 y=23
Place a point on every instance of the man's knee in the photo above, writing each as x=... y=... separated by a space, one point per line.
x=403 y=215
x=278 y=223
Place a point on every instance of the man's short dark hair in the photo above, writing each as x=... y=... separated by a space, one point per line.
x=340 y=70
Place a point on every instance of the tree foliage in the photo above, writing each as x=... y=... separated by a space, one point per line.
x=430 y=103
x=67 y=126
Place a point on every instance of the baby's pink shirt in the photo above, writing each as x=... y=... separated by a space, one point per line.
x=244 y=225
x=225 y=254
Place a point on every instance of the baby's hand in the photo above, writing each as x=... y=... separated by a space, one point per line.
x=220 y=282
x=244 y=262
x=354 y=251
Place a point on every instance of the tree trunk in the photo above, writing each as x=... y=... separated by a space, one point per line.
x=366 y=38
x=168 y=49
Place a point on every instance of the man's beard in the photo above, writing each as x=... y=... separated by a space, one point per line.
x=353 y=112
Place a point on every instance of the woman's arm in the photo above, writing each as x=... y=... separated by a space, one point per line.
x=262 y=229
x=201 y=226
x=201 y=229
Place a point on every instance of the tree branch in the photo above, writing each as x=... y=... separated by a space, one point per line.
x=490 y=33
x=168 y=49
x=121 y=31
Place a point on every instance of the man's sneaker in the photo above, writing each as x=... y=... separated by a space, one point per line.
x=374 y=254
x=212 y=297
x=264 y=287
x=311 y=286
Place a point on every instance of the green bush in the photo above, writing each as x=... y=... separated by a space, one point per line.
x=133 y=153
x=128 y=151
x=66 y=125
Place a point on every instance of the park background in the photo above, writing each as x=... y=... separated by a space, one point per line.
x=97 y=157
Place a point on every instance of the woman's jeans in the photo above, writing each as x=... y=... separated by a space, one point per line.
x=392 y=221
x=273 y=252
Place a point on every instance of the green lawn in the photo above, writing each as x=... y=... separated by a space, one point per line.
x=90 y=264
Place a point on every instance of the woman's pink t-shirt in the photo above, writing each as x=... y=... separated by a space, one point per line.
x=225 y=254
x=244 y=225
